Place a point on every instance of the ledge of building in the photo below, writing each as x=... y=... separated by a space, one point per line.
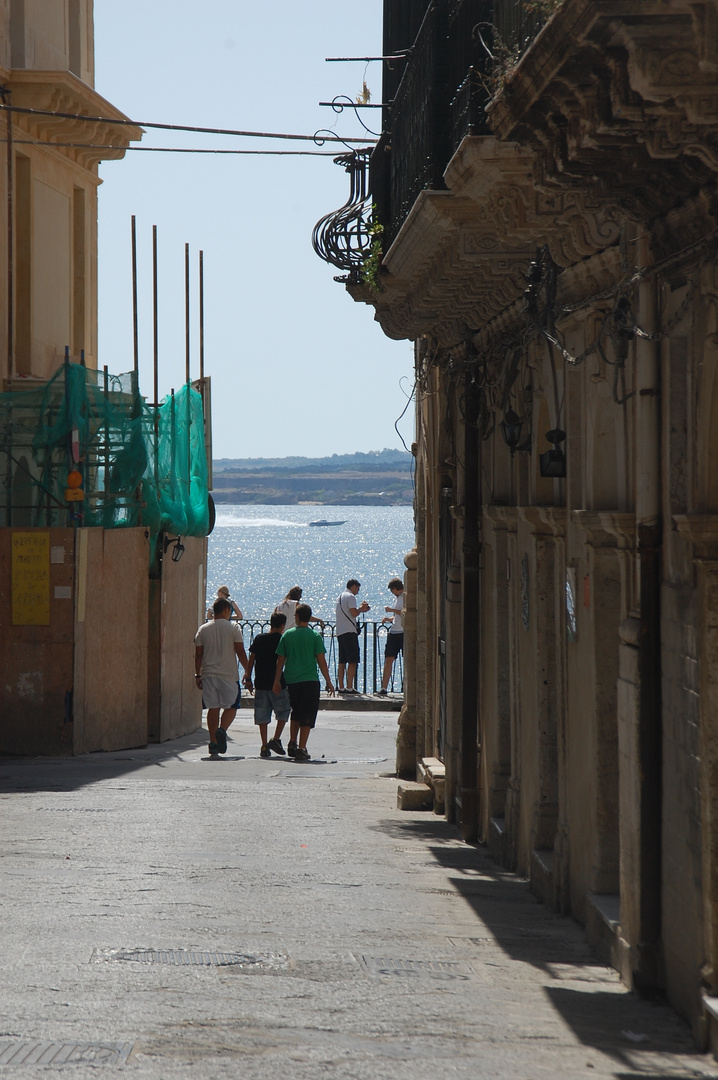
x=541 y=874
x=498 y=839
x=358 y=703
x=413 y=795
x=63 y=92
x=432 y=772
x=705 y=1028
x=603 y=926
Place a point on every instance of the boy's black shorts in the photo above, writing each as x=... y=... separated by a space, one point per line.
x=394 y=645
x=304 y=699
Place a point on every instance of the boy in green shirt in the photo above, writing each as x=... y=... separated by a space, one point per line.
x=299 y=652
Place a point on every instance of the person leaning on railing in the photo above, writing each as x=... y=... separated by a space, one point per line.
x=223 y=594
x=395 y=637
x=288 y=607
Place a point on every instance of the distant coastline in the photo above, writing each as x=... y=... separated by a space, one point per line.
x=379 y=478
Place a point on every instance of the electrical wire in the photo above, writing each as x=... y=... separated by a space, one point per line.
x=409 y=400
x=26 y=111
x=172 y=149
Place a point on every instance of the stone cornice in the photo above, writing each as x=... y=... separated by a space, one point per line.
x=498 y=178
x=501 y=517
x=701 y=530
x=619 y=98
x=607 y=528
x=544 y=520
x=461 y=256
x=61 y=91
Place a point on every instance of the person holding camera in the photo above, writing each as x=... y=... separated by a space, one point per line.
x=348 y=636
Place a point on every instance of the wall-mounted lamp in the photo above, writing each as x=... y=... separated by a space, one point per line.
x=178 y=551
x=511 y=430
x=511 y=426
x=552 y=463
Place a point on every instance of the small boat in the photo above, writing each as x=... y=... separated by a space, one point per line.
x=324 y=522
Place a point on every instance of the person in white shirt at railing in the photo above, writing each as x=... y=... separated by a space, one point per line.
x=288 y=607
x=347 y=636
x=395 y=636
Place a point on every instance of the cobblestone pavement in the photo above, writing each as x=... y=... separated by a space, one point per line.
x=173 y=917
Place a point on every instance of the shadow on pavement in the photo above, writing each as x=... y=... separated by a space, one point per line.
x=603 y=1018
x=432 y=828
x=71 y=773
x=509 y=917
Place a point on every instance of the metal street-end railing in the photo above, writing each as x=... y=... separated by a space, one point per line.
x=372 y=640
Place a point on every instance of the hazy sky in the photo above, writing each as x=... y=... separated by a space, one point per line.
x=296 y=365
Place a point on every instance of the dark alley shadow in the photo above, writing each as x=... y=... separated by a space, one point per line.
x=70 y=773
x=619 y=1024
x=524 y=928
x=509 y=917
x=432 y=828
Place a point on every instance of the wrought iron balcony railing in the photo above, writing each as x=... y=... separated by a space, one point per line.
x=439 y=100
x=342 y=237
x=434 y=99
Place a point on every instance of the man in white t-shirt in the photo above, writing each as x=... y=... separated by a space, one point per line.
x=347 y=637
x=218 y=646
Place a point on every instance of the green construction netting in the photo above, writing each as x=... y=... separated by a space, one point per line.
x=140 y=465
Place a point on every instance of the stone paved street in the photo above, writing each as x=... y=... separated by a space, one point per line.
x=172 y=916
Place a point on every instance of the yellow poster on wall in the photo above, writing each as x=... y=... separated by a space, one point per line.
x=31 y=579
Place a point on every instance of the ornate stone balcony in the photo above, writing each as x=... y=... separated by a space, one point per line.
x=608 y=120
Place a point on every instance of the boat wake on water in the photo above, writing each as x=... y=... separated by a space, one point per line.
x=225 y=522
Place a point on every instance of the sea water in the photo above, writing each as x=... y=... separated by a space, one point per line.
x=260 y=552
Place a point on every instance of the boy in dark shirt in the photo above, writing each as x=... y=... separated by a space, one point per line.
x=263 y=660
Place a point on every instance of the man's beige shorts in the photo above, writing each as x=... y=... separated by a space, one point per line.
x=219 y=693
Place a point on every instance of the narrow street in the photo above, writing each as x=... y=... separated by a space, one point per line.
x=173 y=916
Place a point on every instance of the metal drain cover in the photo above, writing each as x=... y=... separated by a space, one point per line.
x=59 y=1053
x=192 y=958
x=432 y=969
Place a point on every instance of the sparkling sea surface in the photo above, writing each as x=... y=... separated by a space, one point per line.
x=260 y=552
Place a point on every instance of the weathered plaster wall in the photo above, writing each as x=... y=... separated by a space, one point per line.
x=681 y=820
x=183 y=593
x=110 y=702
x=36 y=661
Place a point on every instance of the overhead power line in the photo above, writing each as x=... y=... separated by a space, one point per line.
x=172 y=149
x=174 y=127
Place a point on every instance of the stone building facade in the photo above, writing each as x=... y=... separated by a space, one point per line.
x=47 y=64
x=549 y=214
x=101 y=657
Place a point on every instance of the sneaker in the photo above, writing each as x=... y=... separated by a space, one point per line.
x=382 y=692
x=351 y=692
x=291 y=748
x=221 y=740
x=276 y=746
x=300 y=754
x=213 y=748
x=265 y=751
